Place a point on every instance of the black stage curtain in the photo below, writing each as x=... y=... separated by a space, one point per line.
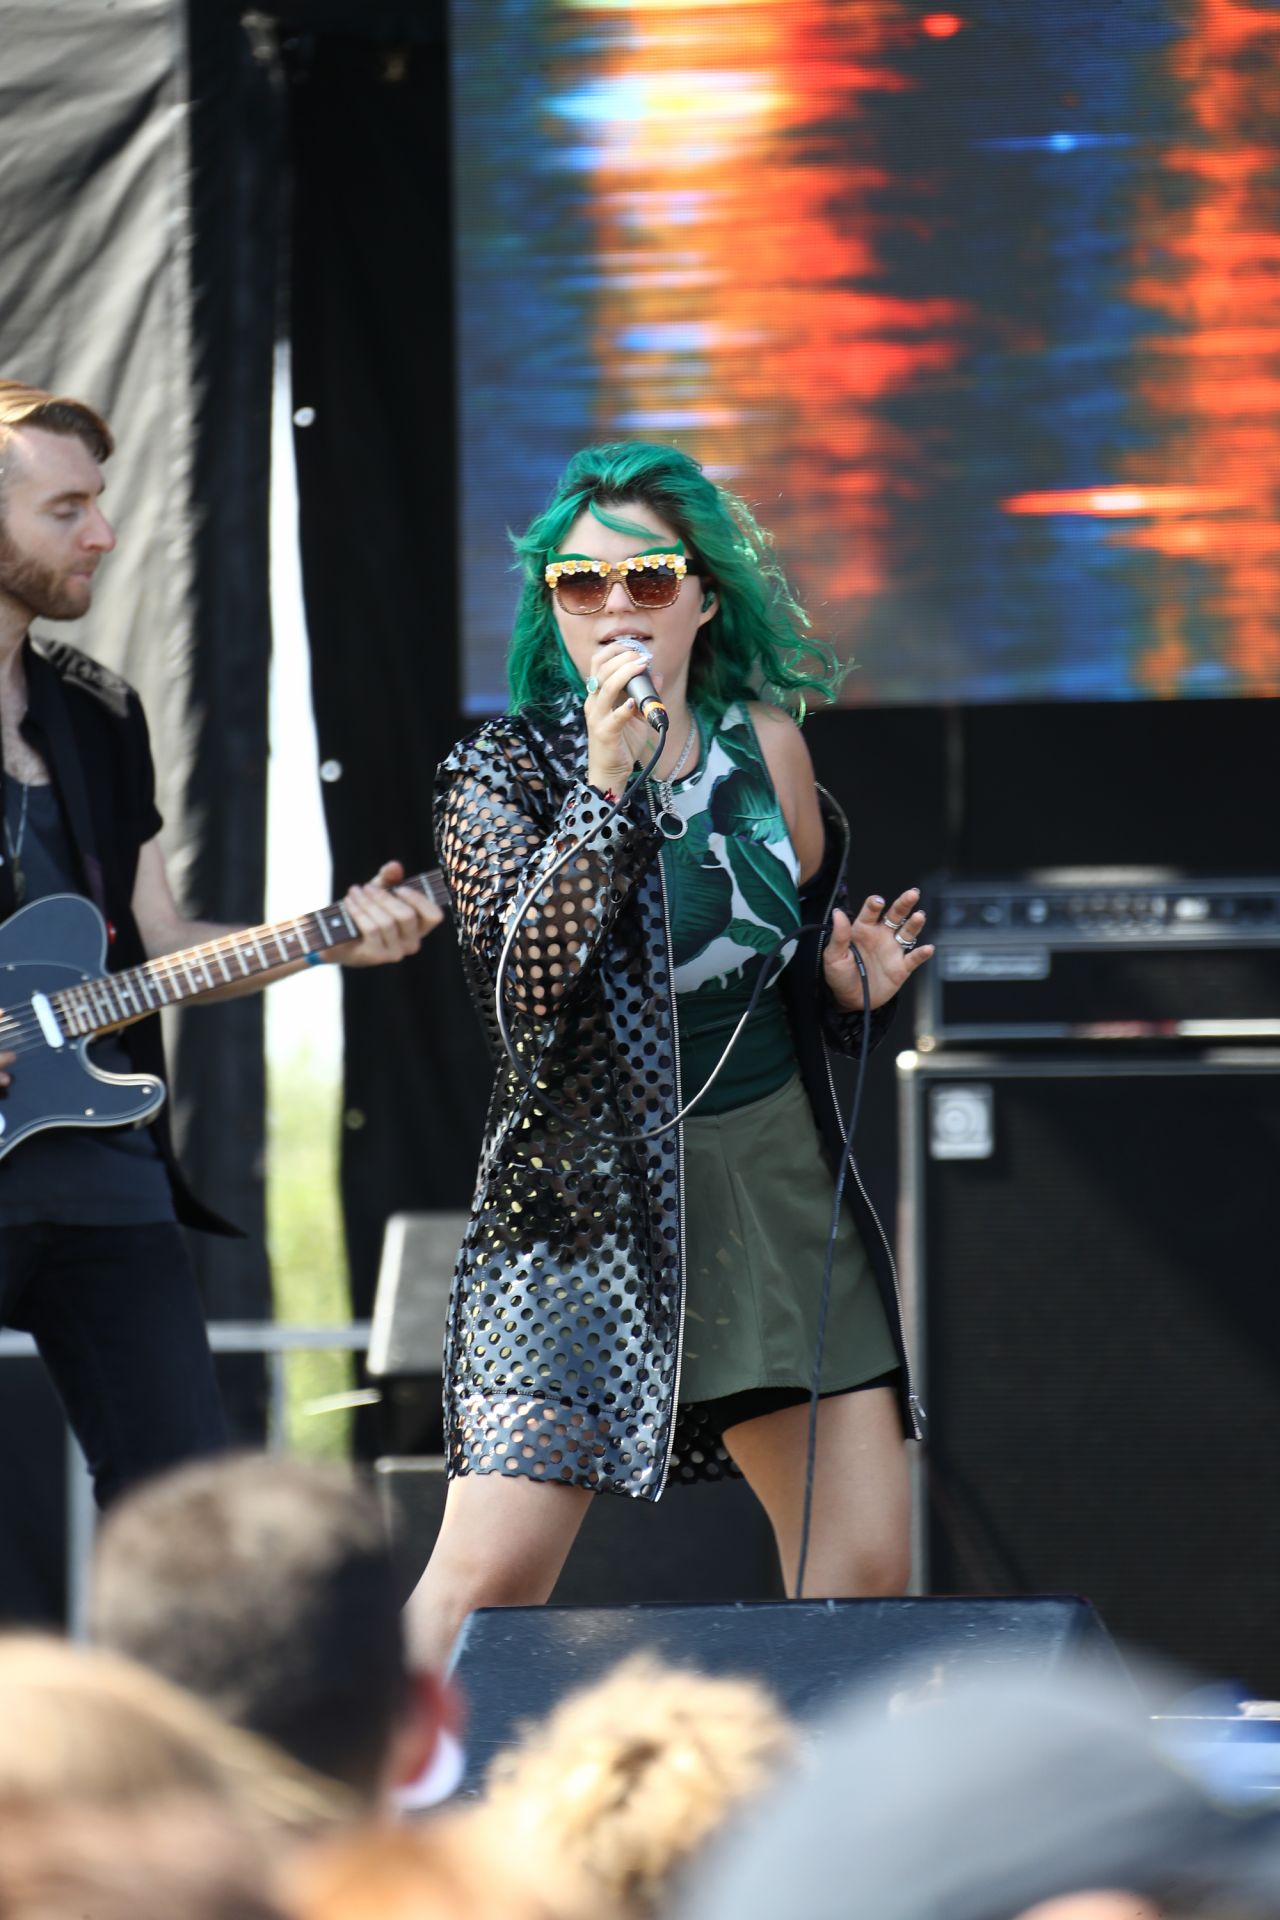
x=237 y=150
x=372 y=355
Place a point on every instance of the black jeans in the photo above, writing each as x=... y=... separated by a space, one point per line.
x=117 y=1317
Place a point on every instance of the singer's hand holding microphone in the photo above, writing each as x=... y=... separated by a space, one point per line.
x=618 y=736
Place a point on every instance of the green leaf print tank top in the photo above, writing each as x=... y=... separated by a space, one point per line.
x=733 y=890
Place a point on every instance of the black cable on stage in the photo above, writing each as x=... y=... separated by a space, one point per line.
x=824 y=1300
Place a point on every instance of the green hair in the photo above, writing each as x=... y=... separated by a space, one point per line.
x=757 y=644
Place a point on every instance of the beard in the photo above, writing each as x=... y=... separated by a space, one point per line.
x=46 y=592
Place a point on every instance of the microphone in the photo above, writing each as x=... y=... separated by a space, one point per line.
x=645 y=695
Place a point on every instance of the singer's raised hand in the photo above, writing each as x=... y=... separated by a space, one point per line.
x=617 y=736
x=888 y=959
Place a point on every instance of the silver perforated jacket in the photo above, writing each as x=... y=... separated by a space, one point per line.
x=563 y=1350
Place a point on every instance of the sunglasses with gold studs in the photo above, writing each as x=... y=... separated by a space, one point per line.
x=650 y=580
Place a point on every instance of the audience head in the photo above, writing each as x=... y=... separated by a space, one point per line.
x=88 y=1728
x=176 y=1857
x=442 y=1870
x=265 y=1585
x=983 y=1796
x=607 y=1800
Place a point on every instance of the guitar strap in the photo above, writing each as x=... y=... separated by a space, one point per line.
x=47 y=707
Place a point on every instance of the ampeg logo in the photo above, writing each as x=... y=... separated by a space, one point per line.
x=991 y=963
x=962 y=1123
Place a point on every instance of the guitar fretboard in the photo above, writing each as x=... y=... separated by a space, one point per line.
x=118 y=999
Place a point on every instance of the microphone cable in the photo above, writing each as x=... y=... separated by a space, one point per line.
x=824 y=1299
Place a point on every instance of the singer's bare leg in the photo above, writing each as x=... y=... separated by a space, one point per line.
x=860 y=1532
x=502 y=1543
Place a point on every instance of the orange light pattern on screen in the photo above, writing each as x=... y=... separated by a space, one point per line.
x=1211 y=384
x=1211 y=264
x=744 y=269
x=845 y=255
x=1126 y=500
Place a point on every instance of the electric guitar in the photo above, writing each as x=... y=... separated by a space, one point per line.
x=54 y=1007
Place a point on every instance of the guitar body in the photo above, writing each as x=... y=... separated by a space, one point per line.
x=58 y=1086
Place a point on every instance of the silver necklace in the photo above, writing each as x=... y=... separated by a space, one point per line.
x=15 y=846
x=670 y=824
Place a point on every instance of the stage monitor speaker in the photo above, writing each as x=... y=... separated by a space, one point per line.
x=513 y=1664
x=407 y=1332
x=1088 y=1251
x=411 y=1306
x=704 y=1542
x=33 y=1496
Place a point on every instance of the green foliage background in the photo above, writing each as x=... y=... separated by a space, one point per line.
x=304 y=1238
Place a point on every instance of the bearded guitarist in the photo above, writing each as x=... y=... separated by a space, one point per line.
x=92 y=1262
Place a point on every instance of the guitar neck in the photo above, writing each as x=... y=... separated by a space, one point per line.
x=118 y=999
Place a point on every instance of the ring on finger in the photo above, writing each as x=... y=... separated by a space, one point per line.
x=593 y=685
x=892 y=925
x=906 y=944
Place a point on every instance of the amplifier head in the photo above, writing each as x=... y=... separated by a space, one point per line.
x=1101 y=956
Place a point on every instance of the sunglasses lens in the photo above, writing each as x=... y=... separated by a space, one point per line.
x=653 y=586
x=582 y=592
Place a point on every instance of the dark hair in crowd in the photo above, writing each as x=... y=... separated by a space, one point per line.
x=265 y=1585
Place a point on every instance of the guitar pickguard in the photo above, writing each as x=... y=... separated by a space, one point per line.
x=58 y=1085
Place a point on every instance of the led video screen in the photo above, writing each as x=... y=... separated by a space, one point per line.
x=980 y=310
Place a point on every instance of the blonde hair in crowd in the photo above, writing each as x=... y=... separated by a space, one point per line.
x=80 y=1725
x=175 y=1856
x=441 y=1870
x=615 y=1792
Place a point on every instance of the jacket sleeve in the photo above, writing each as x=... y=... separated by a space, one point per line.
x=842 y=1029
x=500 y=833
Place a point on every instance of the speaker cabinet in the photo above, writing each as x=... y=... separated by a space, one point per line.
x=514 y=1663
x=1091 y=1279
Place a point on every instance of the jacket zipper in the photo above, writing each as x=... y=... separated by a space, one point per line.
x=574 y=771
x=673 y=1418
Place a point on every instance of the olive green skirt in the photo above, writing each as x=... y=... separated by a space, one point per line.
x=758 y=1195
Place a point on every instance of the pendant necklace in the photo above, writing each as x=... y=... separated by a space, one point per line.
x=14 y=846
x=670 y=824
